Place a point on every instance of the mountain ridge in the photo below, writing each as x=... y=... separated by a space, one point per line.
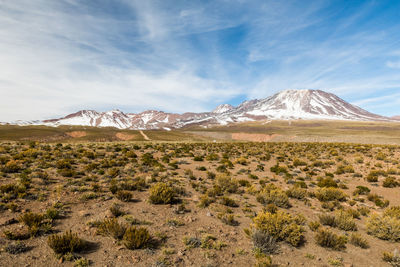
x=292 y=104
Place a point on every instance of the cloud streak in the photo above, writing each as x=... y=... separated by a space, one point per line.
x=61 y=56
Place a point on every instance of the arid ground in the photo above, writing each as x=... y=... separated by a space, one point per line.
x=181 y=199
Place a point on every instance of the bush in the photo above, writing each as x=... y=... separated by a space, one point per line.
x=52 y=214
x=390 y=182
x=330 y=194
x=116 y=211
x=66 y=243
x=228 y=202
x=327 y=182
x=111 y=227
x=373 y=175
x=162 y=193
x=227 y=184
x=136 y=237
x=327 y=219
x=361 y=190
x=392 y=258
x=124 y=196
x=326 y=238
x=271 y=194
x=296 y=192
x=33 y=221
x=314 y=225
x=357 y=240
x=11 y=167
x=385 y=226
x=264 y=242
x=282 y=226
x=229 y=219
x=344 y=221
x=192 y=242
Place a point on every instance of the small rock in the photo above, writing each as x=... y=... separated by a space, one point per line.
x=181 y=253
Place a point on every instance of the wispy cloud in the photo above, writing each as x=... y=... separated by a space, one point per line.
x=60 y=56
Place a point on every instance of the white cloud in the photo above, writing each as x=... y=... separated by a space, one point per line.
x=55 y=61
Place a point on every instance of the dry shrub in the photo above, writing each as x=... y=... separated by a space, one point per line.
x=282 y=226
x=162 y=193
x=111 y=227
x=136 y=237
x=330 y=194
x=357 y=240
x=385 y=226
x=264 y=242
x=296 y=192
x=66 y=243
x=326 y=238
x=271 y=194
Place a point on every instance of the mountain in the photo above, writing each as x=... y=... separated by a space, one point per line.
x=396 y=117
x=285 y=105
x=223 y=108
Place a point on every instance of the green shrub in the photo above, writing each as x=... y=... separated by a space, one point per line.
x=361 y=190
x=326 y=238
x=136 y=238
x=282 y=226
x=66 y=243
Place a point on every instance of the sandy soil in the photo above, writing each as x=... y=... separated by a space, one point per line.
x=253 y=137
x=76 y=134
x=125 y=136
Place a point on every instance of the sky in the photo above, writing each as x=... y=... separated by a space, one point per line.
x=58 y=57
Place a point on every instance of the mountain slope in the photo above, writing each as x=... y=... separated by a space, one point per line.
x=285 y=105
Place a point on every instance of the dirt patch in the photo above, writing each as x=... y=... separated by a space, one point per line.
x=76 y=134
x=125 y=136
x=253 y=137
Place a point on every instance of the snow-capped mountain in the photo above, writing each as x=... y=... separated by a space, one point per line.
x=285 y=105
x=222 y=108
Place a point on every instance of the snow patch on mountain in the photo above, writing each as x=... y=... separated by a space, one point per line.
x=285 y=105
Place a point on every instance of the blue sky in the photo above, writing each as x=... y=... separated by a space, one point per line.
x=61 y=56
